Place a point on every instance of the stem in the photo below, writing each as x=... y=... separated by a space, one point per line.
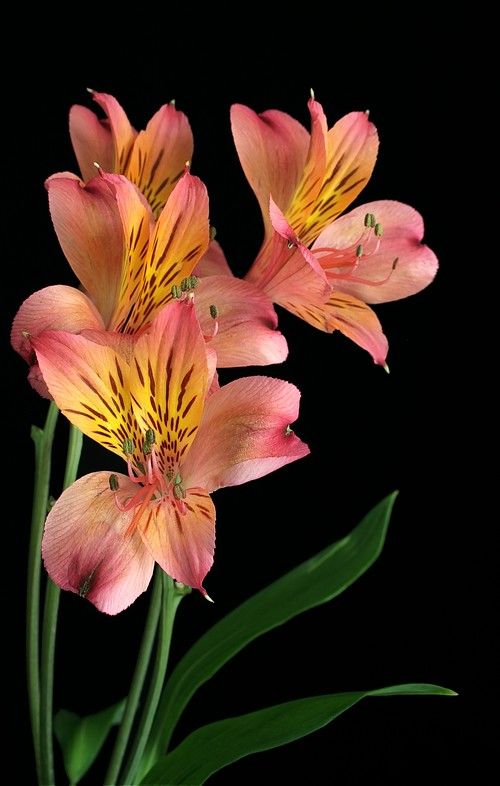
x=42 y=439
x=137 y=683
x=170 y=602
x=49 y=630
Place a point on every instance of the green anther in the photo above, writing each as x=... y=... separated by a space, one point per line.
x=378 y=230
x=214 y=311
x=128 y=446
x=170 y=474
x=179 y=492
x=359 y=251
x=178 y=480
x=213 y=233
x=113 y=483
x=369 y=220
x=150 y=436
x=189 y=283
x=176 y=292
x=147 y=448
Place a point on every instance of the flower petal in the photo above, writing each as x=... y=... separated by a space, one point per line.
x=179 y=241
x=351 y=151
x=89 y=382
x=88 y=547
x=403 y=229
x=169 y=381
x=244 y=433
x=352 y=317
x=160 y=154
x=92 y=141
x=285 y=269
x=122 y=132
x=213 y=262
x=52 y=308
x=272 y=148
x=88 y=225
x=246 y=322
x=182 y=543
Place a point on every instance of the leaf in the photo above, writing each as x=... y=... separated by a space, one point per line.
x=81 y=739
x=315 y=581
x=213 y=747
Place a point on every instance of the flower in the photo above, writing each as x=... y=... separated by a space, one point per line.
x=320 y=266
x=154 y=159
x=105 y=532
x=129 y=266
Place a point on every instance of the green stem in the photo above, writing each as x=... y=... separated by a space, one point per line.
x=170 y=602
x=137 y=682
x=42 y=439
x=49 y=630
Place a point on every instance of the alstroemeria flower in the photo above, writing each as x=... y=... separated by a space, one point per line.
x=128 y=266
x=321 y=267
x=154 y=159
x=105 y=532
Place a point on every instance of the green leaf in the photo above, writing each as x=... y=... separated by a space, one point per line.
x=81 y=739
x=215 y=746
x=316 y=581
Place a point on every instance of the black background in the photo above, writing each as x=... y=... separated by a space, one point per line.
x=410 y=618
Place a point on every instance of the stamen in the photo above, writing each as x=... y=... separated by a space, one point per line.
x=176 y=292
x=128 y=446
x=189 y=283
x=312 y=94
x=359 y=251
x=113 y=483
x=213 y=233
x=369 y=220
x=378 y=230
x=214 y=311
x=172 y=102
x=290 y=244
x=288 y=431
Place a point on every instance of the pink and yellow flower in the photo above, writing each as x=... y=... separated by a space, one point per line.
x=153 y=159
x=323 y=267
x=129 y=266
x=105 y=532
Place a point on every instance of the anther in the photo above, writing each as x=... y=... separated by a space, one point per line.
x=378 y=230
x=214 y=311
x=359 y=251
x=213 y=233
x=172 y=102
x=150 y=436
x=176 y=292
x=370 y=220
x=290 y=244
x=113 y=483
x=288 y=431
x=189 y=283
x=128 y=446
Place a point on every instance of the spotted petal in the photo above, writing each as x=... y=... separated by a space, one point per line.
x=89 y=548
x=182 y=543
x=90 y=384
x=160 y=154
x=169 y=381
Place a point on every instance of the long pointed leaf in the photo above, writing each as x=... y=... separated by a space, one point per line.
x=315 y=581
x=213 y=747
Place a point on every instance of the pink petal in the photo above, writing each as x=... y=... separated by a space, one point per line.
x=160 y=154
x=92 y=141
x=246 y=322
x=88 y=225
x=244 y=433
x=52 y=308
x=182 y=543
x=213 y=262
x=122 y=132
x=285 y=269
x=272 y=148
x=403 y=229
x=87 y=546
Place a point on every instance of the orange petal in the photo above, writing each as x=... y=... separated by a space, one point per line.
x=169 y=381
x=160 y=154
x=180 y=239
x=92 y=141
x=90 y=384
x=182 y=543
x=121 y=130
x=351 y=316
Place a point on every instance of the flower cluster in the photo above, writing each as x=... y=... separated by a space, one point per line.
x=131 y=356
